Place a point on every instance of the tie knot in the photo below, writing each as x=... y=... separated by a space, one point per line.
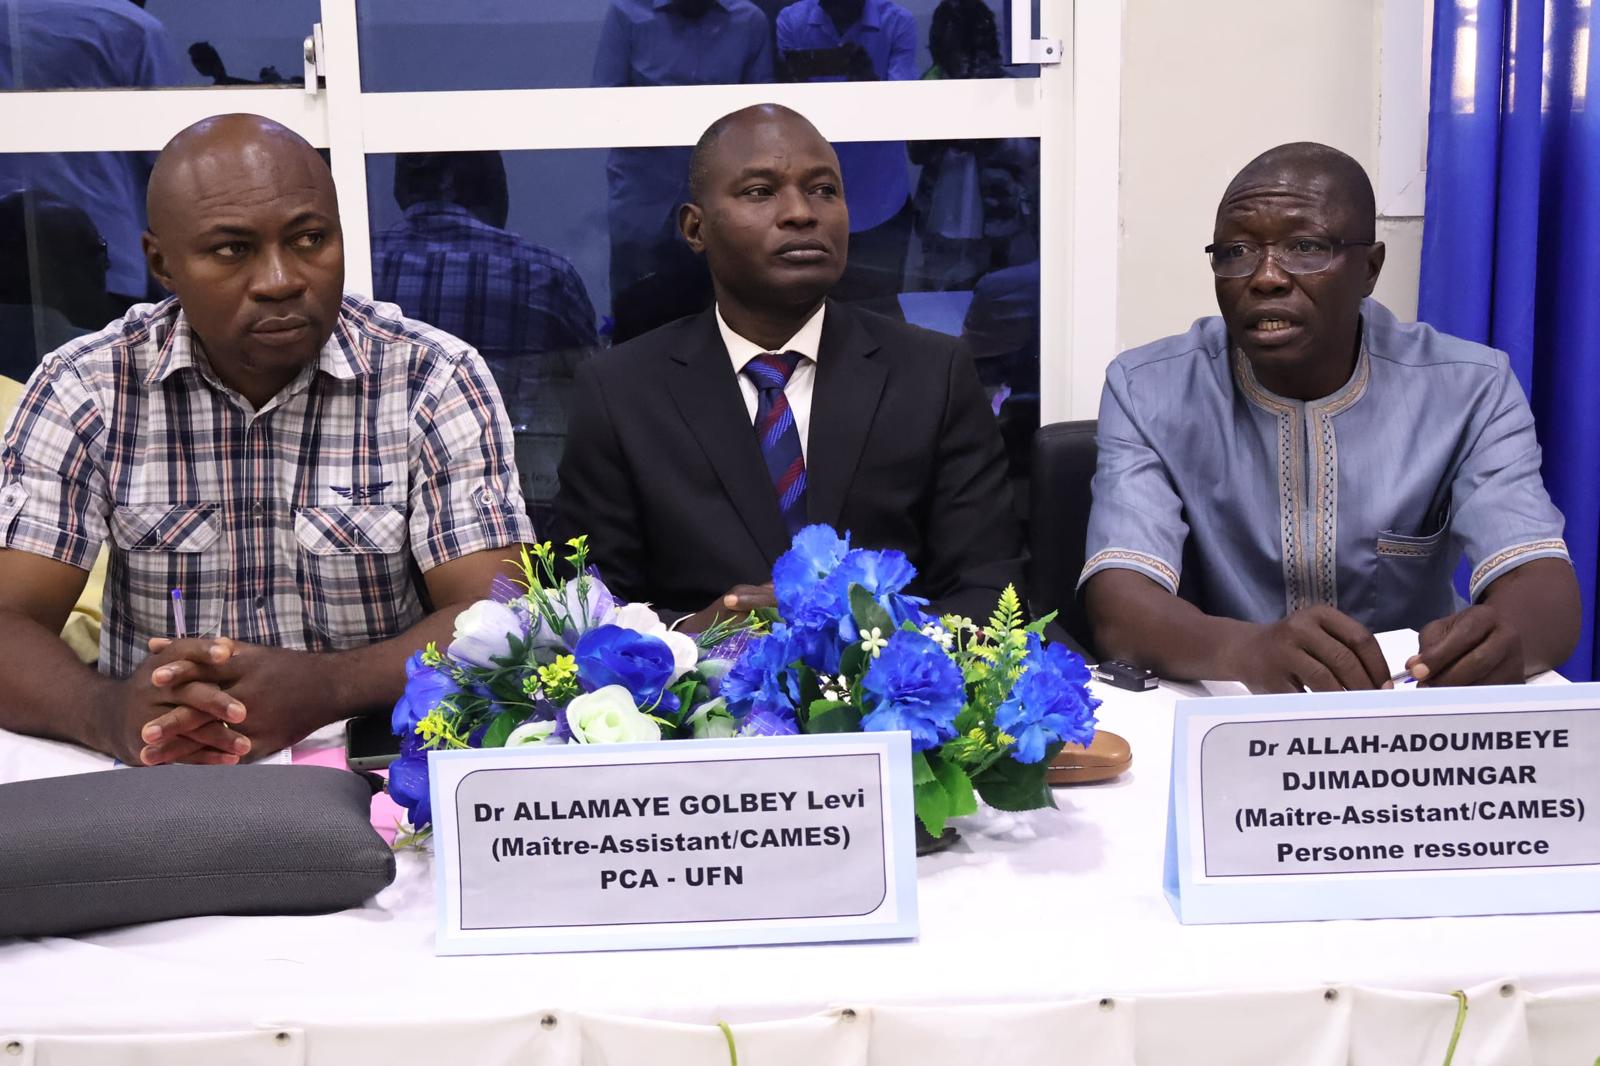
x=772 y=370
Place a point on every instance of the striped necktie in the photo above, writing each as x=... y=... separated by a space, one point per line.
x=778 y=435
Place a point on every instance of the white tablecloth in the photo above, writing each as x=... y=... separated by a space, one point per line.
x=1036 y=928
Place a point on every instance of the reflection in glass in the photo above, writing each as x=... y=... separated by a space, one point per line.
x=420 y=45
x=449 y=261
x=654 y=276
x=52 y=279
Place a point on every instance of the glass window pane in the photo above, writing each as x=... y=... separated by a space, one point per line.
x=538 y=257
x=414 y=45
x=119 y=44
x=70 y=227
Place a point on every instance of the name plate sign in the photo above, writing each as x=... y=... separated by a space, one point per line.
x=1406 y=803
x=684 y=843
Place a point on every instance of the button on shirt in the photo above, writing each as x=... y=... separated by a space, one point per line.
x=876 y=180
x=801 y=382
x=1364 y=500
x=301 y=525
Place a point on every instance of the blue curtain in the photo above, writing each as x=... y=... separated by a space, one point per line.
x=1511 y=240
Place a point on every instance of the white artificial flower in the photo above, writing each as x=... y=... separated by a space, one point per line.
x=711 y=720
x=484 y=631
x=873 y=642
x=641 y=619
x=609 y=716
x=571 y=607
x=938 y=634
x=531 y=733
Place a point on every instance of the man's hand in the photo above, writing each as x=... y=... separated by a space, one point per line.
x=1476 y=646
x=1317 y=648
x=282 y=692
x=166 y=682
x=735 y=603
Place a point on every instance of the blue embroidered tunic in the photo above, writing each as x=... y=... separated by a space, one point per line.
x=1365 y=499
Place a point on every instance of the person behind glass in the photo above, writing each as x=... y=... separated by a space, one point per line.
x=1328 y=466
x=88 y=44
x=861 y=40
x=698 y=450
x=267 y=460
x=451 y=262
x=53 y=286
x=654 y=276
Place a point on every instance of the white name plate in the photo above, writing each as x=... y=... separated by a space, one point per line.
x=685 y=843
x=1398 y=804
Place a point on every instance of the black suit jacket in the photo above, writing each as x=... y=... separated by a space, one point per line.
x=663 y=471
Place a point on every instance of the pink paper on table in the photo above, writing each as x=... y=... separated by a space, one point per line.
x=386 y=813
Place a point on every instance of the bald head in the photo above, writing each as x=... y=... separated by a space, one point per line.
x=746 y=120
x=208 y=151
x=244 y=230
x=1306 y=167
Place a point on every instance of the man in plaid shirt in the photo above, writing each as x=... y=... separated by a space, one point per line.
x=327 y=482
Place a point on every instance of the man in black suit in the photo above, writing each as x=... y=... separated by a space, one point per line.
x=692 y=457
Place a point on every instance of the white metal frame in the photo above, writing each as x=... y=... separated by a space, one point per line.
x=1404 y=62
x=1073 y=107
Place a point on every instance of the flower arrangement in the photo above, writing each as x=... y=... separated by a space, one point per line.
x=563 y=662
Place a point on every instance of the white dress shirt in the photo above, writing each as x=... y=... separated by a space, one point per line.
x=801 y=382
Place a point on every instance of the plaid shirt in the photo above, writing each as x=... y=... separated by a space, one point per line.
x=506 y=296
x=305 y=524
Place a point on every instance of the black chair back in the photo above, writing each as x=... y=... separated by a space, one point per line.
x=1064 y=455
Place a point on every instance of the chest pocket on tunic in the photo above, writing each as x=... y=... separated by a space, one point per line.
x=164 y=547
x=353 y=573
x=1412 y=584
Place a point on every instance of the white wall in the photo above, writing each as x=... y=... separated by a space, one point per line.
x=1207 y=86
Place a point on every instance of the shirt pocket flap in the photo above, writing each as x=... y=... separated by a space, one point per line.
x=1400 y=544
x=352 y=529
x=166 y=527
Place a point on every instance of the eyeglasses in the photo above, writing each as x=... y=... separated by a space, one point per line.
x=1297 y=255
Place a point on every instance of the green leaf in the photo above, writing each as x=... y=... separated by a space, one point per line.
x=1008 y=612
x=957 y=787
x=867 y=613
x=853 y=662
x=1037 y=625
x=832 y=716
x=933 y=806
x=1009 y=785
x=921 y=772
x=499 y=729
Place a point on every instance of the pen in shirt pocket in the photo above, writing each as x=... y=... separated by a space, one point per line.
x=178 y=630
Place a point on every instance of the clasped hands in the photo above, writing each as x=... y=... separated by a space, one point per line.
x=213 y=700
x=1323 y=650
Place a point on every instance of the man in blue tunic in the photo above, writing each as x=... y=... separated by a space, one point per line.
x=1326 y=465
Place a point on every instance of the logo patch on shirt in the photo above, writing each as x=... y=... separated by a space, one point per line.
x=361 y=492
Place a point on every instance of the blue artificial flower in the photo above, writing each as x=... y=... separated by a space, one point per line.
x=426 y=688
x=801 y=579
x=913 y=685
x=1050 y=702
x=408 y=781
x=640 y=663
x=881 y=574
x=762 y=675
x=768 y=722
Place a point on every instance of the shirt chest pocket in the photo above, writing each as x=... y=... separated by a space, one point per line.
x=1411 y=584
x=354 y=574
x=163 y=547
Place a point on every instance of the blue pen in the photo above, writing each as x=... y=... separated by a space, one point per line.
x=178 y=631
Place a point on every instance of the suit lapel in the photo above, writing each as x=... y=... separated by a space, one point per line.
x=844 y=400
x=707 y=396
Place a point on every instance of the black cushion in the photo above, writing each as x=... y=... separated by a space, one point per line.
x=1064 y=455
x=89 y=851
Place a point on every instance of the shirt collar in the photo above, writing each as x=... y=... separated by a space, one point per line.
x=1339 y=400
x=726 y=5
x=343 y=356
x=806 y=341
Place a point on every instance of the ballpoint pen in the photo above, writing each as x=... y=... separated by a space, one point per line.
x=178 y=631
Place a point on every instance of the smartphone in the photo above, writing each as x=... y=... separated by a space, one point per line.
x=369 y=743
